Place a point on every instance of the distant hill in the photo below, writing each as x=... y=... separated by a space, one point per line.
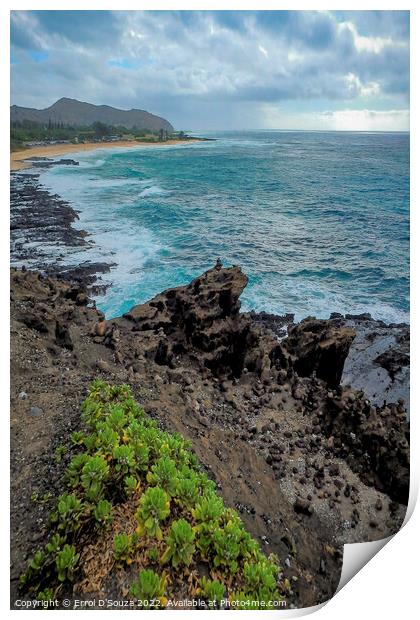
x=73 y=112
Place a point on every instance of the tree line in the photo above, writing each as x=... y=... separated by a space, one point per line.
x=25 y=131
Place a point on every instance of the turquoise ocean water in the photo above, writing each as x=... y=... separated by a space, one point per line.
x=319 y=221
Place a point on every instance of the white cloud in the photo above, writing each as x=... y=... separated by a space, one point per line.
x=356 y=88
x=294 y=56
x=363 y=43
x=263 y=51
x=274 y=117
x=367 y=120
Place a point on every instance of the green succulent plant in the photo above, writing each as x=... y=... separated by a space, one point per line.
x=187 y=491
x=103 y=512
x=95 y=470
x=90 y=442
x=208 y=508
x=122 y=451
x=66 y=561
x=99 y=389
x=107 y=440
x=55 y=544
x=180 y=549
x=124 y=460
x=74 y=470
x=59 y=453
x=116 y=418
x=149 y=589
x=77 y=437
x=261 y=579
x=122 y=548
x=141 y=454
x=131 y=485
x=212 y=590
x=227 y=546
x=152 y=438
x=46 y=595
x=94 y=492
x=164 y=474
x=176 y=448
x=37 y=561
x=153 y=554
x=70 y=508
x=205 y=538
x=153 y=509
x=92 y=411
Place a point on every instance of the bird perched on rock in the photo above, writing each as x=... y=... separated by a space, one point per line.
x=218 y=264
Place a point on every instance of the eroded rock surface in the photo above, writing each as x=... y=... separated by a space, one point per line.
x=203 y=317
x=320 y=347
x=309 y=464
x=379 y=361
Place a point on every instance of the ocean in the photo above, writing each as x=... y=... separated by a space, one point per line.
x=319 y=221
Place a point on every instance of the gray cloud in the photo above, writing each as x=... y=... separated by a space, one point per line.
x=198 y=68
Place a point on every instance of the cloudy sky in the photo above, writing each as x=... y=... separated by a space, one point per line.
x=221 y=70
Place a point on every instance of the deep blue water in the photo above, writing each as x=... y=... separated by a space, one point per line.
x=318 y=220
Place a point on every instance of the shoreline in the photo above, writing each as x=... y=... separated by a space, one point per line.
x=17 y=158
x=290 y=469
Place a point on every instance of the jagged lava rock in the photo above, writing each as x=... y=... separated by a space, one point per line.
x=204 y=315
x=318 y=346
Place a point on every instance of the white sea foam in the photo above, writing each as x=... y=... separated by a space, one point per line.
x=154 y=190
x=119 y=240
x=304 y=301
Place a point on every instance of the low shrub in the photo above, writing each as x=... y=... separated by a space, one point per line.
x=127 y=464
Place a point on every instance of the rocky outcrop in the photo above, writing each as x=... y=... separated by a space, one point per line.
x=374 y=440
x=309 y=464
x=203 y=322
x=202 y=317
x=379 y=361
x=46 y=162
x=320 y=347
x=56 y=311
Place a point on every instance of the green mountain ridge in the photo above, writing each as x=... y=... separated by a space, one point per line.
x=74 y=112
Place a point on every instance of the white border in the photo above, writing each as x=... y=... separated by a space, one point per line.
x=387 y=585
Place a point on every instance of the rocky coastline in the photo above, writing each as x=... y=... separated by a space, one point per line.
x=302 y=426
x=309 y=463
x=42 y=235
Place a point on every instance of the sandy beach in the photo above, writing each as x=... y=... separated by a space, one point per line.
x=17 y=158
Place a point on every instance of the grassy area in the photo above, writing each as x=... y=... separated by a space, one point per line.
x=137 y=502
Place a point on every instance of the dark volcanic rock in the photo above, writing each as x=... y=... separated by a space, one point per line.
x=42 y=232
x=393 y=361
x=303 y=506
x=318 y=346
x=295 y=449
x=39 y=217
x=277 y=323
x=379 y=361
x=55 y=321
x=45 y=162
x=203 y=316
x=377 y=442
